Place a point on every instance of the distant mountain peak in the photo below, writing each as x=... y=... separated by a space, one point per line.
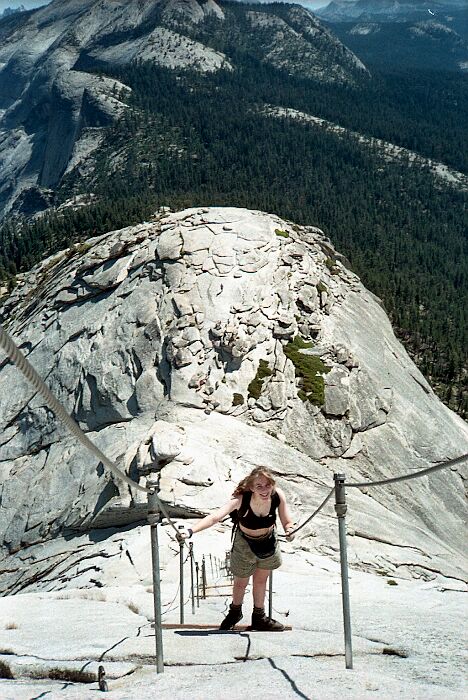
x=12 y=11
x=384 y=10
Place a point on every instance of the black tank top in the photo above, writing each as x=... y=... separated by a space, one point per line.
x=247 y=517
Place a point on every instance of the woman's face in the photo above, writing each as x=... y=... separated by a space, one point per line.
x=262 y=488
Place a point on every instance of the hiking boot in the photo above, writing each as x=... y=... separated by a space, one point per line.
x=262 y=623
x=232 y=618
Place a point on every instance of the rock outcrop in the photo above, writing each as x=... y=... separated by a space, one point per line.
x=201 y=344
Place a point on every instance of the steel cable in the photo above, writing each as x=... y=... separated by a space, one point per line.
x=404 y=477
x=323 y=503
x=31 y=375
x=414 y=475
x=16 y=356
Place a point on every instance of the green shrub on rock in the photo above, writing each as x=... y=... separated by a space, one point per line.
x=255 y=386
x=300 y=344
x=332 y=266
x=237 y=400
x=321 y=287
x=309 y=369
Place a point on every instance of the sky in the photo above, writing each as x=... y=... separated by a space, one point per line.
x=29 y=4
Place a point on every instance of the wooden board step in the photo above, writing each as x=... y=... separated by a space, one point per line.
x=196 y=626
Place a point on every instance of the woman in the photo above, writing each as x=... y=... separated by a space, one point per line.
x=255 y=549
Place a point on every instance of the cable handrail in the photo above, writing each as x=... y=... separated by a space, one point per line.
x=381 y=482
x=323 y=503
x=413 y=475
x=25 y=367
x=17 y=357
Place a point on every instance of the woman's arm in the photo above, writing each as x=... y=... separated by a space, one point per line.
x=213 y=518
x=284 y=514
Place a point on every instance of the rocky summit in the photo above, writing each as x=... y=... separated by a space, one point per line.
x=201 y=344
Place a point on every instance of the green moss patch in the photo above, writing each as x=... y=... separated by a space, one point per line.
x=255 y=386
x=309 y=369
x=332 y=266
x=237 y=400
x=321 y=287
x=300 y=344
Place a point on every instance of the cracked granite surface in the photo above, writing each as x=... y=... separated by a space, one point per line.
x=150 y=335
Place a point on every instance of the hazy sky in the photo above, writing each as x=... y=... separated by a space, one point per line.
x=29 y=4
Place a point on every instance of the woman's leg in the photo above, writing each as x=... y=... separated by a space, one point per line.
x=235 y=609
x=238 y=589
x=259 y=620
x=260 y=579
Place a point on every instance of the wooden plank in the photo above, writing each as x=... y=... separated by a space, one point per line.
x=194 y=626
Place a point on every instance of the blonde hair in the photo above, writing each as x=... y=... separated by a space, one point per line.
x=247 y=482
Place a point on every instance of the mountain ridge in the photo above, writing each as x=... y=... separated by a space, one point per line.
x=43 y=92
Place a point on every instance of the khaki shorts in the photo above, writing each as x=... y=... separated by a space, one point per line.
x=244 y=562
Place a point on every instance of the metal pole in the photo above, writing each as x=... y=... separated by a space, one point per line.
x=198 y=584
x=192 y=591
x=203 y=571
x=154 y=518
x=270 y=595
x=181 y=581
x=340 y=508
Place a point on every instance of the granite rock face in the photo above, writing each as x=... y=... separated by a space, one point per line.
x=178 y=346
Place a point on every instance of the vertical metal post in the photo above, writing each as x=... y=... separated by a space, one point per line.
x=340 y=508
x=204 y=577
x=192 y=591
x=270 y=595
x=154 y=518
x=198 y=584
x=181 y=581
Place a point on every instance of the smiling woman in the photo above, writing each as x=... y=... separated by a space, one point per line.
x=255 y=548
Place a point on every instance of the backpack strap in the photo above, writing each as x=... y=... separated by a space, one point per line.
x=275 y=500
x=245 y=505
x=236 y=515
